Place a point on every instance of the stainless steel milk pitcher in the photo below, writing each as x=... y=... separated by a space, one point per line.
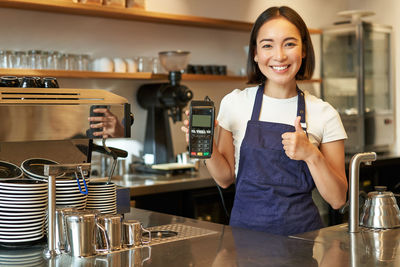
x=81 y=233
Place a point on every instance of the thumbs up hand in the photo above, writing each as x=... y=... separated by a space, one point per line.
x=296 y=144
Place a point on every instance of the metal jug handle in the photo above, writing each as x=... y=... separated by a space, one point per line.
x=103 y=230
x=84 y=181
x=148 y=232
x=148 y=257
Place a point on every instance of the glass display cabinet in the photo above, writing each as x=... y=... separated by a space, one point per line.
x=357 y=81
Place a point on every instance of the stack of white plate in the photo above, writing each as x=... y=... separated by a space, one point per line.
x=22 y=257
x=68 y=194
x=102 y=197
x=23 y=206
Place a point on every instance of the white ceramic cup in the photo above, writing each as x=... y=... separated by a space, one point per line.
x=131 y=65
x=103 y=64
x=119 y=65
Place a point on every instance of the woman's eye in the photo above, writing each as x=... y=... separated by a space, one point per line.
x=267 y=46
x=290 y=44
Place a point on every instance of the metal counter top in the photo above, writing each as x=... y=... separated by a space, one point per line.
x=229 y=246
x=146 y=184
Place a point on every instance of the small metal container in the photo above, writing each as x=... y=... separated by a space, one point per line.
x=81 y=232
x=132 y=233
x=112 y=224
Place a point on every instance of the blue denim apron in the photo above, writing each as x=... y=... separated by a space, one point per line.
x=273 y=192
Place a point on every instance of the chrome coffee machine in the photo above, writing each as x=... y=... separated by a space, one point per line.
x=52 y=124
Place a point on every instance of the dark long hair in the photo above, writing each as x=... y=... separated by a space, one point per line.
x=254 y=75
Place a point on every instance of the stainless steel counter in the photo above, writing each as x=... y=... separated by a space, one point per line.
x=145 y=184
x=228 y=246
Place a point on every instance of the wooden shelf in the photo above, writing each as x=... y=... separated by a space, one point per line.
x=118 y=75
x=113 y=75
x=136 y=14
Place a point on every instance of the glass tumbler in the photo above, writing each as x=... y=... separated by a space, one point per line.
x=20 y=60
x=53 y=60
x=6 y=58
x=35 y=59
x=83 y=62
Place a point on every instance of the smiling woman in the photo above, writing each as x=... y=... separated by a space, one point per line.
x=278 y=142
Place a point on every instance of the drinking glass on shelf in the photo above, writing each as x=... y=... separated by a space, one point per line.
x=6 y=58
x=143 y=64
x=68 y=61
x=83 y=62
x=53 y=60
x=155 y=65
x=43 y=59
x=35 y=59
x=20 y=60
x=3 y=59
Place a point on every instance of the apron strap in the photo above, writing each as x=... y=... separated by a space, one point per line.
x=255 y=116
x=301 y=106
x=301 y=109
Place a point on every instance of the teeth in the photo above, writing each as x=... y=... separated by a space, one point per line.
x=279 y=67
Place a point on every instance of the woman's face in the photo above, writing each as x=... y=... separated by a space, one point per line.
x=279 y=51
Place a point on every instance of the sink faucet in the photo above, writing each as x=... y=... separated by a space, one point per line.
x=354 y=172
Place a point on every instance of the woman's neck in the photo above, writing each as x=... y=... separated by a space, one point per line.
x=280 y=91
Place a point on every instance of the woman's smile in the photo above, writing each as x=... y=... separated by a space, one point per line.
x=281 y=68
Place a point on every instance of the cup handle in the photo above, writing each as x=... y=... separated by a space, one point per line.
x=148 y=232
x=103 y=230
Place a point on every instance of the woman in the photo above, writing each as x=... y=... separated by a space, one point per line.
x=279 y=142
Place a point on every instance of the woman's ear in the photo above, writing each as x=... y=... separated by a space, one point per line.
x=256 y=58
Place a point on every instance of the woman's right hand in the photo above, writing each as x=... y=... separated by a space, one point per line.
x=185 y=127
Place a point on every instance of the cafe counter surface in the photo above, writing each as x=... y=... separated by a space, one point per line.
x=200 y=243
x=141 y=184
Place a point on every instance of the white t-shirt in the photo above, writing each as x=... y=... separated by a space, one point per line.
x=323 y=121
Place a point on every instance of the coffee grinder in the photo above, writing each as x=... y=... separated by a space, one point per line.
x=162 y=101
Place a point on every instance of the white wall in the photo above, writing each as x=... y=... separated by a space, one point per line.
x=23 y=30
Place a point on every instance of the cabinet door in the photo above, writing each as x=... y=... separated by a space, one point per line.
x=377 y=70
x=340 y=63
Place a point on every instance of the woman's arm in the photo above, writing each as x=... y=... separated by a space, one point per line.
x=221 y=165
x=326 y=164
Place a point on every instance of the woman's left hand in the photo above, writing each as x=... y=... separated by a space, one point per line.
x=109 y=123
x=296 y=144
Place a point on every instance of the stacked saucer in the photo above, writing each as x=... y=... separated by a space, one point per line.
x=34 y=168
x=67 y=189
x=9 y=171
x=22 y=257
x=102 y=197
x=23 y=206
x=68 y=193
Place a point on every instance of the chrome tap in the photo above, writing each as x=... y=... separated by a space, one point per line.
x=354 y=172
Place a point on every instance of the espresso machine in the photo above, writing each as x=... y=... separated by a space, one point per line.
x=162 y=102
x=53 y=123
